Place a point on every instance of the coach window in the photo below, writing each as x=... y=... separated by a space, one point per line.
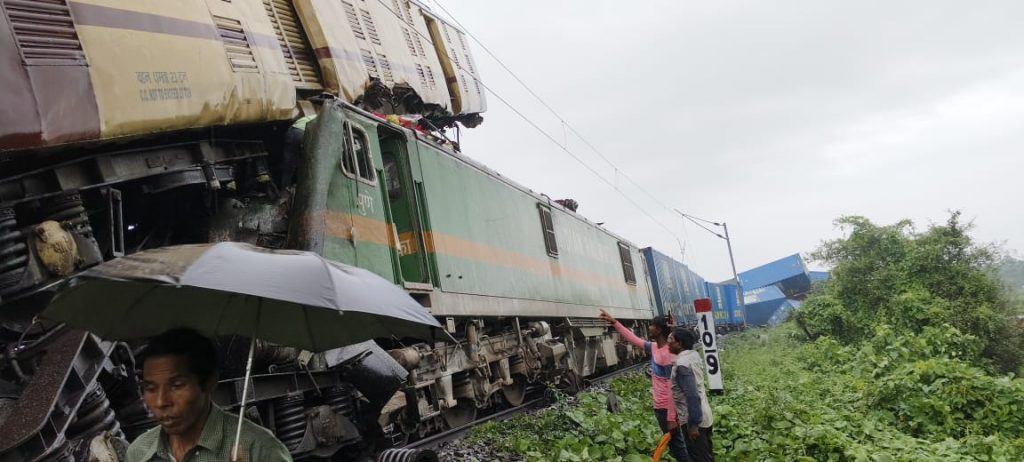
x=356 y=161
x=627 y=263
x=548 y=227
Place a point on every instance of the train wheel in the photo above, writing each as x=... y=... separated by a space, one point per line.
x=408 y=455
x=462 y=414
x=571 y=383
x=515 y=393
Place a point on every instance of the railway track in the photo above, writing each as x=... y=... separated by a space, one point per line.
x=423 y=450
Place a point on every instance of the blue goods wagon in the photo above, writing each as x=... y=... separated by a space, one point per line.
x=695 y=287
x=719 y=307
x=789 y=274
x=732 y=302
x=818 y=276
x=674 y=285
x=724 y=300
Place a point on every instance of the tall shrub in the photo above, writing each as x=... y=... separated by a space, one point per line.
x=910 y=280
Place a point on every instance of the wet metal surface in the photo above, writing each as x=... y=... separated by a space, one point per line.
x=39 y=397
x=371 y=369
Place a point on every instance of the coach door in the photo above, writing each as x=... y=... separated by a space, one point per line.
x=405 y=206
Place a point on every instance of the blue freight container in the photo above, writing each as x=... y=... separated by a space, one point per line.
x=762 y=303
x=719 y=302
x=789 y=274
x=674 y=285
x=782 y=313
x=732 y=301
x=695 y=285
x=724 y=300
x=818 y=276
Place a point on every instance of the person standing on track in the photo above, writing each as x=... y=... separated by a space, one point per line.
x=661 y=370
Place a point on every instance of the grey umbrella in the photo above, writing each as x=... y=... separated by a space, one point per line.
x=286 y=297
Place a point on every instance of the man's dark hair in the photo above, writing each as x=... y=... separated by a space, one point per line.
x=661 y=322
x=685 y=336
x=189 y=343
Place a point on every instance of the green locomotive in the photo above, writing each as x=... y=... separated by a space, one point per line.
x=133 y=126
x=515 y=277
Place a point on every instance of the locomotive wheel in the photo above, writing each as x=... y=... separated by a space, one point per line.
x=515 y=393
x=571 y=383
x=408 y=455
x=463 y=413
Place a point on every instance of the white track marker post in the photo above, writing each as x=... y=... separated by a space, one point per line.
x=706 y=328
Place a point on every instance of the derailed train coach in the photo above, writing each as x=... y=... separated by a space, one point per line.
x=88 y=70
x=133 y=125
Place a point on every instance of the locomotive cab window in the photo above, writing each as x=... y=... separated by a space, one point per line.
x=548 y=227
x=627 y=264
x=356 y=161
x=392 y=180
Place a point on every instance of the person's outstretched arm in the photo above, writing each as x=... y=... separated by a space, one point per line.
x=625 y=332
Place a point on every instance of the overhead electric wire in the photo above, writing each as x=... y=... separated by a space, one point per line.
x=531 y=122
x=702 y=226
x=549 y=108
x=698 y=218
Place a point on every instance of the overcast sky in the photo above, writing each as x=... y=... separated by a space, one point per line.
x=776 y=117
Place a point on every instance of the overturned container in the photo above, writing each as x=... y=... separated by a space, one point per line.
x=788 y=274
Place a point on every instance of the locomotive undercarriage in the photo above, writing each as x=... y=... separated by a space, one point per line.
x=494 y=365
x=77 y=401
x=67 y=395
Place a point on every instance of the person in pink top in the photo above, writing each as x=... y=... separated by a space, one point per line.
x=662 y=361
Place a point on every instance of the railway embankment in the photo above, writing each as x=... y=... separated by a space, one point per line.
x=787 y=399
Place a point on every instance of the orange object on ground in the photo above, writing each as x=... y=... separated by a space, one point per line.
x=662 y=446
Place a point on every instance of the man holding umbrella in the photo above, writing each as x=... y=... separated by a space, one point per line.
x=178 y=376
x=285 y=297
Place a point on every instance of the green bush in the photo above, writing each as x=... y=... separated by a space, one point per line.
x=790 y=400
x=910 y=281
x=940 y=398
x=913 y=398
